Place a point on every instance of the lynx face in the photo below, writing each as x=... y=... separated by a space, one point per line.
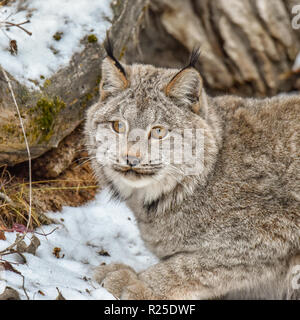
x=149 y=126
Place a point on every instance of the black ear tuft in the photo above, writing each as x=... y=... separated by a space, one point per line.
x=196 y=52
x=110 y=53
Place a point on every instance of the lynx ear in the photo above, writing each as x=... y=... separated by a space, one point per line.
x=114 y=77
x=186 y=86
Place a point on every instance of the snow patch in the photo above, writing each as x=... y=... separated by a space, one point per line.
x=101 y=231
x=40 y=55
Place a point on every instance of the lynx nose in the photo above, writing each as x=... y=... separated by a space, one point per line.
x=132 y=161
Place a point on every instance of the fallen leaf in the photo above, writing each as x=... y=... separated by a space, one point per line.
x=56 y=252
x=104 y=253
x=13 y=47
x=31 y=248
x=20 y=228
x=2 y=235
x=34 y=244
x=8 y=267
x=9 y=294
x=21 y=246
x=41 y=292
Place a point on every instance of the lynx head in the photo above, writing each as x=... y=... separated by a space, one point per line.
x=150 y=128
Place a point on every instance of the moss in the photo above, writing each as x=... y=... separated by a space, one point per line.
x=122 y=52
x=85 y=99
x=24 y=95
x=92 y=38
x=10 y=129
x=9 y=132
x=45 y=112
x=47 y=83
x=89 y=96
x=57 y=36
x=98 y=80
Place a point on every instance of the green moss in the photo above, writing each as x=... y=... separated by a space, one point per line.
x=57 y=36
x=92 y=38
x=98 y=80
x=10 y=129
x=122 y=52
x=45 y=112
x=89 y=96
x=24 y=95
x=85 y=99
x=47 y=83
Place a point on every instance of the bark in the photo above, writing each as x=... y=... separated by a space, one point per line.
x=59 y=107
x=248 y=47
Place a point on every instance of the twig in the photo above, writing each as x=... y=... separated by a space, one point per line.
x=26 y=143
x=18 y=25
x=12 y=251
x=11 y=268
x=23 y=287
x=46 y=234
x=11 y=247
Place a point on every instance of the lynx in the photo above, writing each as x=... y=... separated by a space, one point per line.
x=225 y=225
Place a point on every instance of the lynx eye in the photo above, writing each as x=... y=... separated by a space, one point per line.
x=119 y=126
x=158 y=132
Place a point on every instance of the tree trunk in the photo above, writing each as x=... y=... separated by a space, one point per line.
x=248 y=47
x=58 y=108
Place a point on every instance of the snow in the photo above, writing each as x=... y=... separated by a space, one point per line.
x=36 y=58
x=83 y=232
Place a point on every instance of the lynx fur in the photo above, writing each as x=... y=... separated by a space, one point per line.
x=225 y=227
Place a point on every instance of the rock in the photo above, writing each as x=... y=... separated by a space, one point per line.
x=55 y=161
x=247 y=46
x=54 y=112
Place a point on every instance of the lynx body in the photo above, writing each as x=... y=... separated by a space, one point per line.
x=231 y=228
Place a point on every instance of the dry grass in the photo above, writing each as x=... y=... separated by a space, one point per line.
x=6 y=2
x=74 y=187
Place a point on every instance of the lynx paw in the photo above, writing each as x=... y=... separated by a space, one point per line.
x=138 y=291
x=122 y=282
x=103 y=270
x=114 y=277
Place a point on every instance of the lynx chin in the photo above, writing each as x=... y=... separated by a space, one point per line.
x=214 y=183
